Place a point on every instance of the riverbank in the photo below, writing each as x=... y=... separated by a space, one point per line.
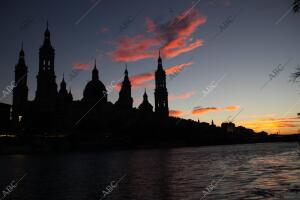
x=74 y=143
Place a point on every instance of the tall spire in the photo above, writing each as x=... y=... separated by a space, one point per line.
x=145 y=95
x=95 y=73
x=63 y=85
x=47 y=32
x=70 y=94
x=22 y=51
x=126 y=71
x=161 y=92
x=159 y=66
x=126 y=79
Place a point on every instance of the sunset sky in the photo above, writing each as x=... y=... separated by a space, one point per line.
x=225 y=59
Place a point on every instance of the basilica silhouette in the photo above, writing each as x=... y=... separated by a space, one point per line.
x=54 y=120
x=54 y=109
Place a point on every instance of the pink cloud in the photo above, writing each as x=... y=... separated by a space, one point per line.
x=201 y=111
x=81 y=66
x=185 y=95
x=142 y=79
x=173 y=38
x=175 y=113
x=151 y=26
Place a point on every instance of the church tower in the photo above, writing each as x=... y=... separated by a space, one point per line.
x=63 y=95
x=161 y=93
x=125 y=100
x=20 y=91
x=46 y=92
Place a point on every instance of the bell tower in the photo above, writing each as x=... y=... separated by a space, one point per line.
x=161 y=93
x=46 y=92
x=20 y=91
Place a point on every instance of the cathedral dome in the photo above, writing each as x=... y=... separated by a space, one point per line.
x=95 y=90
x=145 y=106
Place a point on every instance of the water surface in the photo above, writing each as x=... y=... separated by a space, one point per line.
x=254 y=171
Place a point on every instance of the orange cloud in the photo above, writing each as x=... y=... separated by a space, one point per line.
x=274 y=125
x=175 y=113
x=185 y=95
x=81 y=66
x=230 y=108
x=173 y=38
x=177 y=68
x=201 y=111
x=183 y=49
x=135 y=48
x=140 y=79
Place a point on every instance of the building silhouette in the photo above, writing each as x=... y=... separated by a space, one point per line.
x=95 y=91
x=20 y=91
x=46 y=92
x=125 y=100
x=93 y=122
x=53 y=109
x=145 y=106
x=161 y=92
x=5 y=116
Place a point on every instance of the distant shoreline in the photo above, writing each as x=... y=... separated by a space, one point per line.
x=27 y=146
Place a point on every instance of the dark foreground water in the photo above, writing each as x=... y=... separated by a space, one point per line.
x=255 y=171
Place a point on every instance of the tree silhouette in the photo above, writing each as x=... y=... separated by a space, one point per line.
x=296 y=75
x=296 y=6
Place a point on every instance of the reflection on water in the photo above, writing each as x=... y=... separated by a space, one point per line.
x=256 y=171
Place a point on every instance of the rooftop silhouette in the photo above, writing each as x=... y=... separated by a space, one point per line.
x=54 y=113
